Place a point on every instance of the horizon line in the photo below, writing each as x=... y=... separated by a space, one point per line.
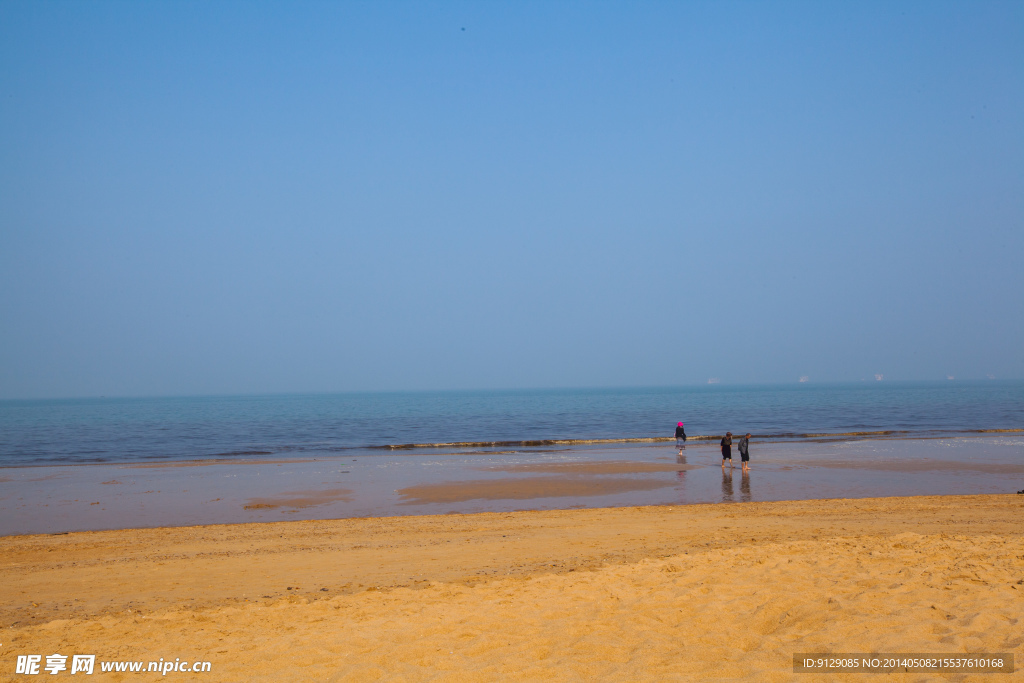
x=717 y=384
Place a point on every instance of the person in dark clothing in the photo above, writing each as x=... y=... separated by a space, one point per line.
x=680 y=437
x=745 y=452
x=727 y=449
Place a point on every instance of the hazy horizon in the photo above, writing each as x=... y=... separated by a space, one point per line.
x=238 y=199
x=498 y=390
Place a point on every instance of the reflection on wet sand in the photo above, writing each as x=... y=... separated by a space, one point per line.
x=745 y=487
x=727 y=485
x=681 y=460
x=524 y=489
x=593 y=467
x=209 y=463
x=922 y=465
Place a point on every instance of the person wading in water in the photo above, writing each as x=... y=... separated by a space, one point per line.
x=680 y=437
x=727 y=449
x=745 y=452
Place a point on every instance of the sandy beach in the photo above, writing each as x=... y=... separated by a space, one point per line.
x=641 y=593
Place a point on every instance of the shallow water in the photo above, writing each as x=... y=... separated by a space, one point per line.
x=56 y=499
x=120 y=430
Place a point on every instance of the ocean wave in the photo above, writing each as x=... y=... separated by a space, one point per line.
x=534 y=443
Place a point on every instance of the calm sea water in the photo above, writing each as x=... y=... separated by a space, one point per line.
x=296 y=426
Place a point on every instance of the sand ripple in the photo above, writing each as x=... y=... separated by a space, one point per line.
x=884 y=575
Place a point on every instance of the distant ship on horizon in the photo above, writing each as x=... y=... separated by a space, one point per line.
x=805 y=378
x=712 y=380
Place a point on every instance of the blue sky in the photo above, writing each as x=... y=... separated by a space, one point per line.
x=277 y=197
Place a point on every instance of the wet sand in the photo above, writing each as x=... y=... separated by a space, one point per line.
x=300 y=499
x=595 y=467
x=92 y=497
x=640 y=593
x=523 y=489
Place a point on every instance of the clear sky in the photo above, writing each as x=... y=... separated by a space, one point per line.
x=282 y=197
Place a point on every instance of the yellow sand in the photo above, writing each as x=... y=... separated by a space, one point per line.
x=655 y=593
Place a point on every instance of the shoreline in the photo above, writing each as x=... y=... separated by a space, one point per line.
x=638 y=593
x=460 y=447
x=76 y=498
x=773 y=438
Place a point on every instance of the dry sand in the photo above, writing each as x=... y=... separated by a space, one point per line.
x=650 y=593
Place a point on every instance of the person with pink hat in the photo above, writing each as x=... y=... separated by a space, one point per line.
x=680 y=437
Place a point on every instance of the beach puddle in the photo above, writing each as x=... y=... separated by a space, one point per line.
x=593 y=467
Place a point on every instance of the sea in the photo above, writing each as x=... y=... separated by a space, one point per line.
x=276 y=427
